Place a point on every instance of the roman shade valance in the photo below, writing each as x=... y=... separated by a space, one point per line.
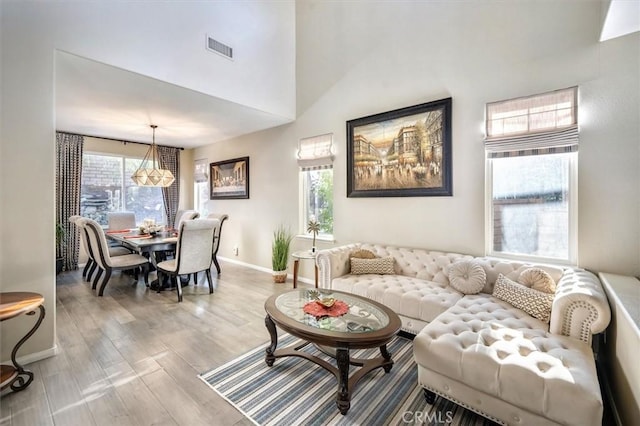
x=315 y=153
x=200 y=171
x=540 y=124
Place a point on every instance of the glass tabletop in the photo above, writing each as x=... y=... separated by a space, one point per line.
x=361 y=317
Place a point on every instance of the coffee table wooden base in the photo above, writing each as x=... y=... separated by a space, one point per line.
x=346 y=384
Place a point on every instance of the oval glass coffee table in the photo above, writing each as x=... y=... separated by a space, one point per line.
x=365 y=324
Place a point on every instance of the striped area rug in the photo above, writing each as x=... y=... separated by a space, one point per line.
x=294 y=391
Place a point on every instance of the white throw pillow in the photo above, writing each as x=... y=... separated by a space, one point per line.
x=534 y=302
x=380 y=266
x=537 y=279
x=467 y=276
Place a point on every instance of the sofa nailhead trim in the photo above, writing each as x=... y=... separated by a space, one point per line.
x=585 y=330
x=468 y=407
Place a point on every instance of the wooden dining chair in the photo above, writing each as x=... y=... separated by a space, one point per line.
x=216 y=242
x=193 y=253
x=107 y=263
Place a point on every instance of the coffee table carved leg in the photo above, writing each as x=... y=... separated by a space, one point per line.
x=269 y=358
x=387 y=358
x=344 y=393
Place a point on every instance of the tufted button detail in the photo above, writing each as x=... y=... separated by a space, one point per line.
x=516 y=419
x=446 y=388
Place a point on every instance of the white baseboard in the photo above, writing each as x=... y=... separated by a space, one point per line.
x=263 y=269
x=37 y=356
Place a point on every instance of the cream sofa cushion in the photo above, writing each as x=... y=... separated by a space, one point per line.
x=406 y=296
x=534 y=302
x=510 y=269
x=379 y=266
x=499 y=350
x=467 y=276
x=537 y=279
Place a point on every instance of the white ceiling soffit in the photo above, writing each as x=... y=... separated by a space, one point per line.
x=623 y=17
x=100 y=100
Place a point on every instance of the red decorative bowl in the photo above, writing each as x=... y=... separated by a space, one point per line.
x=318 y=310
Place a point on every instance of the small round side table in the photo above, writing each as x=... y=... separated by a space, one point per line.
x=303 y=255
x=13 y=304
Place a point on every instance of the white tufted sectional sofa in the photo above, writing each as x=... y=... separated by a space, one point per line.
x=481 y=352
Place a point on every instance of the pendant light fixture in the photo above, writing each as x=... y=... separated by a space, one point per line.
x=149 y=173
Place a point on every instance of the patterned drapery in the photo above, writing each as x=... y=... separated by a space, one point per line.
x=170 y=159
x=68 y=176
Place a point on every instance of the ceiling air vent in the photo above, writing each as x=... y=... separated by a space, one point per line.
x=218 y=47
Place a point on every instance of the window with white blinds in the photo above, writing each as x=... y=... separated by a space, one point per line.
x=315 y=158
x=540 y=124
x=531 y=146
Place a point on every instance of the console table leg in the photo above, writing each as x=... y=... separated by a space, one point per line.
x=271 y=327
x=295 y=273
x=24 y=377
x=344 y=394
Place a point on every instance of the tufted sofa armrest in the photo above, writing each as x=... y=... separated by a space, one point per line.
x=580 y=308
x=333 y=263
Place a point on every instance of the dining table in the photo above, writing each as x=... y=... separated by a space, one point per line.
x=154 y=246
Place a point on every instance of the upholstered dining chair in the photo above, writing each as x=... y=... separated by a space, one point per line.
x=91 y=265
x=107 y=263
x=85 y=244
x=193 y=252
x=118 y=221
x=183 y=215
x=216 y=242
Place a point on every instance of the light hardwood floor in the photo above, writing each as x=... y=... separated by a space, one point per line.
x=133 y=356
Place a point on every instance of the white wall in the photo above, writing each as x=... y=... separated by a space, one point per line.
x=355 y=59
x=136 y=36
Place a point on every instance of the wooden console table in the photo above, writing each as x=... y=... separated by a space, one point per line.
x=13 y=304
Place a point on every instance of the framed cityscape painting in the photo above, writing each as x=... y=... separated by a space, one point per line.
x=229 y=179
x=401 y=153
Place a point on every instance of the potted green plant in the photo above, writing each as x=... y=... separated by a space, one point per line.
x=60 y=239
x=280 y=253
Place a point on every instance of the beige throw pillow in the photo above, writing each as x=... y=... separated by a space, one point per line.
x=534 y=302
x=467 y=276
x=363 y=254
x=537 y=279
x=380 y=266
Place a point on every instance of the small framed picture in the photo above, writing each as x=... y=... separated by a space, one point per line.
x=229 y=179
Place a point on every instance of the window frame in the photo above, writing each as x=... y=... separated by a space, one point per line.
x=123 y=192
x=302 y=210
x=572 y=225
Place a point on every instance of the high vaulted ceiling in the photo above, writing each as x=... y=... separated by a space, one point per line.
x=95 y=99
x=121 y=66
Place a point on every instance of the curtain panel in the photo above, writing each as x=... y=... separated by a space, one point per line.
x=68 y=177
x=170 y=160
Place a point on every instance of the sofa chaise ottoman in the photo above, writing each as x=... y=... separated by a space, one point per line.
x=478 y=350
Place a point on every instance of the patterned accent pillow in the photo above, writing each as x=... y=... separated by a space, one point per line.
x=537 y=279
x=534 y=302
x=363 y=254
x=467 y=276
x=380 y=266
